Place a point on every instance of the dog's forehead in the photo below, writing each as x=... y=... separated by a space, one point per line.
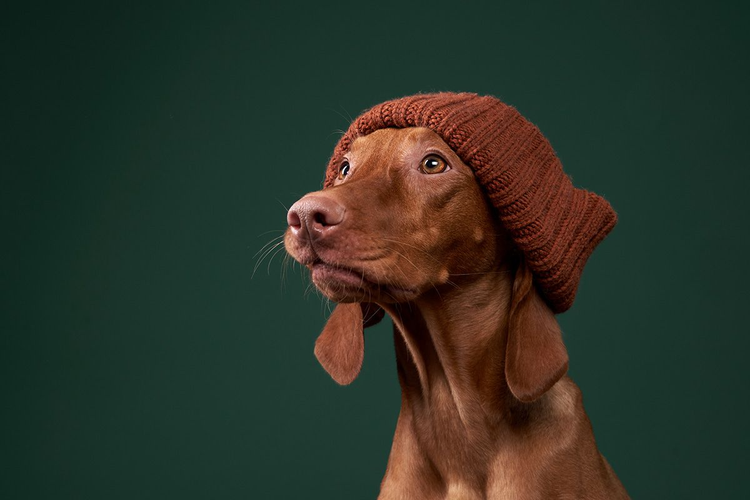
x=397 y=139
x=405 y=146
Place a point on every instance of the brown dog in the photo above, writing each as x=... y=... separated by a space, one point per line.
x=487 y=410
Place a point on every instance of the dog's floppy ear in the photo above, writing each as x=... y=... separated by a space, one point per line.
x=535 y=357
x=340 y=347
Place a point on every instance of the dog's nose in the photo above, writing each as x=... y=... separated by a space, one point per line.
x=314 y=215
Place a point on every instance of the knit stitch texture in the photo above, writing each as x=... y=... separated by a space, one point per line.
x=555 y=225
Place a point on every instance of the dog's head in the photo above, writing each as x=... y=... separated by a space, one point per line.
x=403 y=217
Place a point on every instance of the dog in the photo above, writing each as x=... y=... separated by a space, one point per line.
x=488 y=412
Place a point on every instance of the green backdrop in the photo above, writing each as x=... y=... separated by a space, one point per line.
x=148 y=152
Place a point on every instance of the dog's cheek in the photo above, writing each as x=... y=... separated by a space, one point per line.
x=470 y=231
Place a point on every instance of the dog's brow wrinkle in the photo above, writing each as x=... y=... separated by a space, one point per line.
x=404 y=154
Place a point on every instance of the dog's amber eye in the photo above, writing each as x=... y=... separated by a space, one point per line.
x=433 y=164
x=344 y=170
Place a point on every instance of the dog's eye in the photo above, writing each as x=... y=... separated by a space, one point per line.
x=344 y=170
x=433 y=164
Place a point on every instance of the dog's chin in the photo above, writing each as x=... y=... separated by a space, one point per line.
x=346 y=285
x=342 y=296
x=341 y=284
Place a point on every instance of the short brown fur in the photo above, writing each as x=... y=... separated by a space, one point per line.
x=487 y=410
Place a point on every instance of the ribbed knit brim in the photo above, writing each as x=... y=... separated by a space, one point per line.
x=554 y=224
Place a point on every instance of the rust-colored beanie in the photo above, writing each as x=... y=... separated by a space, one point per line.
x=553 y=223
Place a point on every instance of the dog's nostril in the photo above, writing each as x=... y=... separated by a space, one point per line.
x=292 y=218
x=320 y=218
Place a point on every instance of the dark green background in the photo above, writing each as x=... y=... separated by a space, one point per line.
x=148 y=151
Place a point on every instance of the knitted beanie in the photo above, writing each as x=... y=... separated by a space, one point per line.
x=554 y=224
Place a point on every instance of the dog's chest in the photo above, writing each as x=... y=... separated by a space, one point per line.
x=454 y=436
x=477 y=459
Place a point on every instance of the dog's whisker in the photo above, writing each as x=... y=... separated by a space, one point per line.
x=308 y=290
x=272 y=241
x=282 y=204
x=391 y=267
x=284 y=268
x=268 y=267
x=337 y=131
x=347 y=113
x=265 y=254
x=265 y=247
x=282 y=274
x=273 y=251
x=406 y=258
x=349 y=119
x=449 y=282
x=411 y=246
x=271 y=231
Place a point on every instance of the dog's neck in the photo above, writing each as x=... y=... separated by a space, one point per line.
x=456 y=404
x=460 y=426
x=452 y=355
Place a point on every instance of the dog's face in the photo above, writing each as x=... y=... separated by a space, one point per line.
x=400 y=219
x=405 y=217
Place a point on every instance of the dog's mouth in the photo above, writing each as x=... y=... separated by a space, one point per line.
x=349 y=283
x=346 y=284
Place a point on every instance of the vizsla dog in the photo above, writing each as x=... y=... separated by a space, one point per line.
x=487 y=409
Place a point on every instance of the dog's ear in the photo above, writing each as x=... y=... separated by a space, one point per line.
x=535 y=356
x=340 y=348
